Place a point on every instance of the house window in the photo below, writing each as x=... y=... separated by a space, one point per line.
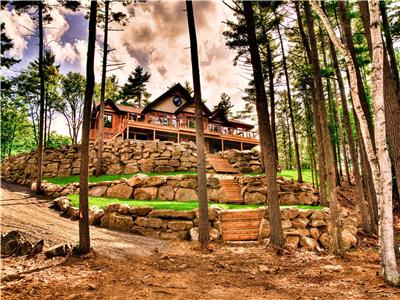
x=108 y=121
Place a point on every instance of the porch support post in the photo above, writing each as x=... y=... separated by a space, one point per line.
x=222 y=145
x=127 y=132
x=241 y=146
x=154 y=135
x=179 y=138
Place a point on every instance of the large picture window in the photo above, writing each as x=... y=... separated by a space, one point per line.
x=108 y=121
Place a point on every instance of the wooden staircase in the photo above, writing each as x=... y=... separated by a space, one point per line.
x=231 y=191
x=220 y=165
x=241 y=225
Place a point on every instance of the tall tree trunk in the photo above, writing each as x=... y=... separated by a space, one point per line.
x=84 y=237
x=296 y=143
x=266 y=143
x=45 y=121
x=289 y=141
x=386 y=236
x=41 y=101
x=389 y=42
x=341 y=134
x=271 y=90
x=317 y=122
x=201 y=158
x=337 y=247
x=100 y=138
x=332 y=112
x=391 y=91
x=379 y=160
x=348 y=38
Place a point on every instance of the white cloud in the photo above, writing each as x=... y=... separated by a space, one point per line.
x=17 y=27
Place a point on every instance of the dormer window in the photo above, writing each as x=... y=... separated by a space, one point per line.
x=177 y=101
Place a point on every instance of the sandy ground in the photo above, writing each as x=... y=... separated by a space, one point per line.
x=125 y=266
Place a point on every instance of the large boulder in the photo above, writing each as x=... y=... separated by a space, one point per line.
x=265 y=229
x=137 y=180
x=349 y=240
x=131 y=168
x=98 y=191
x=189 y=183
x=60 y=203
x=121 y=190
x=117 y=221
x=287 y=198
x=292 y=242
x=308 y=243
x=149 y=222
x=300 y=222
x=148 y=193
x=289 y=213
x=95 y=215
x=155 y=181
x=140 y=211
x=172 y=214
x=179 y=225
x=166 y=192
x=10 y=243
x=325 y=240
x=60 y=250
x=255 y=198
x=286 y=224
x=184 y=194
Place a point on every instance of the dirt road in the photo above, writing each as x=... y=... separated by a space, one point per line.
x=31 y=215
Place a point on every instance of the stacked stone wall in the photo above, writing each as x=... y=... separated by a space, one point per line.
x=142 y=187
x=254 y=191
x=308 y=229
x=246 y=161
x=119 y=157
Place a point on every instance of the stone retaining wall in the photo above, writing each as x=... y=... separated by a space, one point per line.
x=184 y=188
x=307 y=229
x=310 y=229
x=254 y=191
x=119 y=157
x=142 y=187
x=246 y=161
x=165 y=224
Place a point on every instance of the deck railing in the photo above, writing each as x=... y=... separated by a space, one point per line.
x=210 y=128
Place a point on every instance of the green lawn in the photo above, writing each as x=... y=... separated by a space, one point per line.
x=293 y=174
x=173 y=205
x=75 y=178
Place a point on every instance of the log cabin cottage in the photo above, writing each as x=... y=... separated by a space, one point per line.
x=170 y=117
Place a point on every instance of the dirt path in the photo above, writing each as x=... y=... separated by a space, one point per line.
x=19 y=210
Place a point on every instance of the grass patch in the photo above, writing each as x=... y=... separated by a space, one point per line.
x=173 y=205
x=291 y=174
x=75 y=178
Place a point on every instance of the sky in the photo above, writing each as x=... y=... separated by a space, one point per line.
x=156 y=38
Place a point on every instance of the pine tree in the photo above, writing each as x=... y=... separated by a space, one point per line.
x=134 y=92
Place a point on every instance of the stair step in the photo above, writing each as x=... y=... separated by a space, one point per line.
x=240 y=237
x=245 y=224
